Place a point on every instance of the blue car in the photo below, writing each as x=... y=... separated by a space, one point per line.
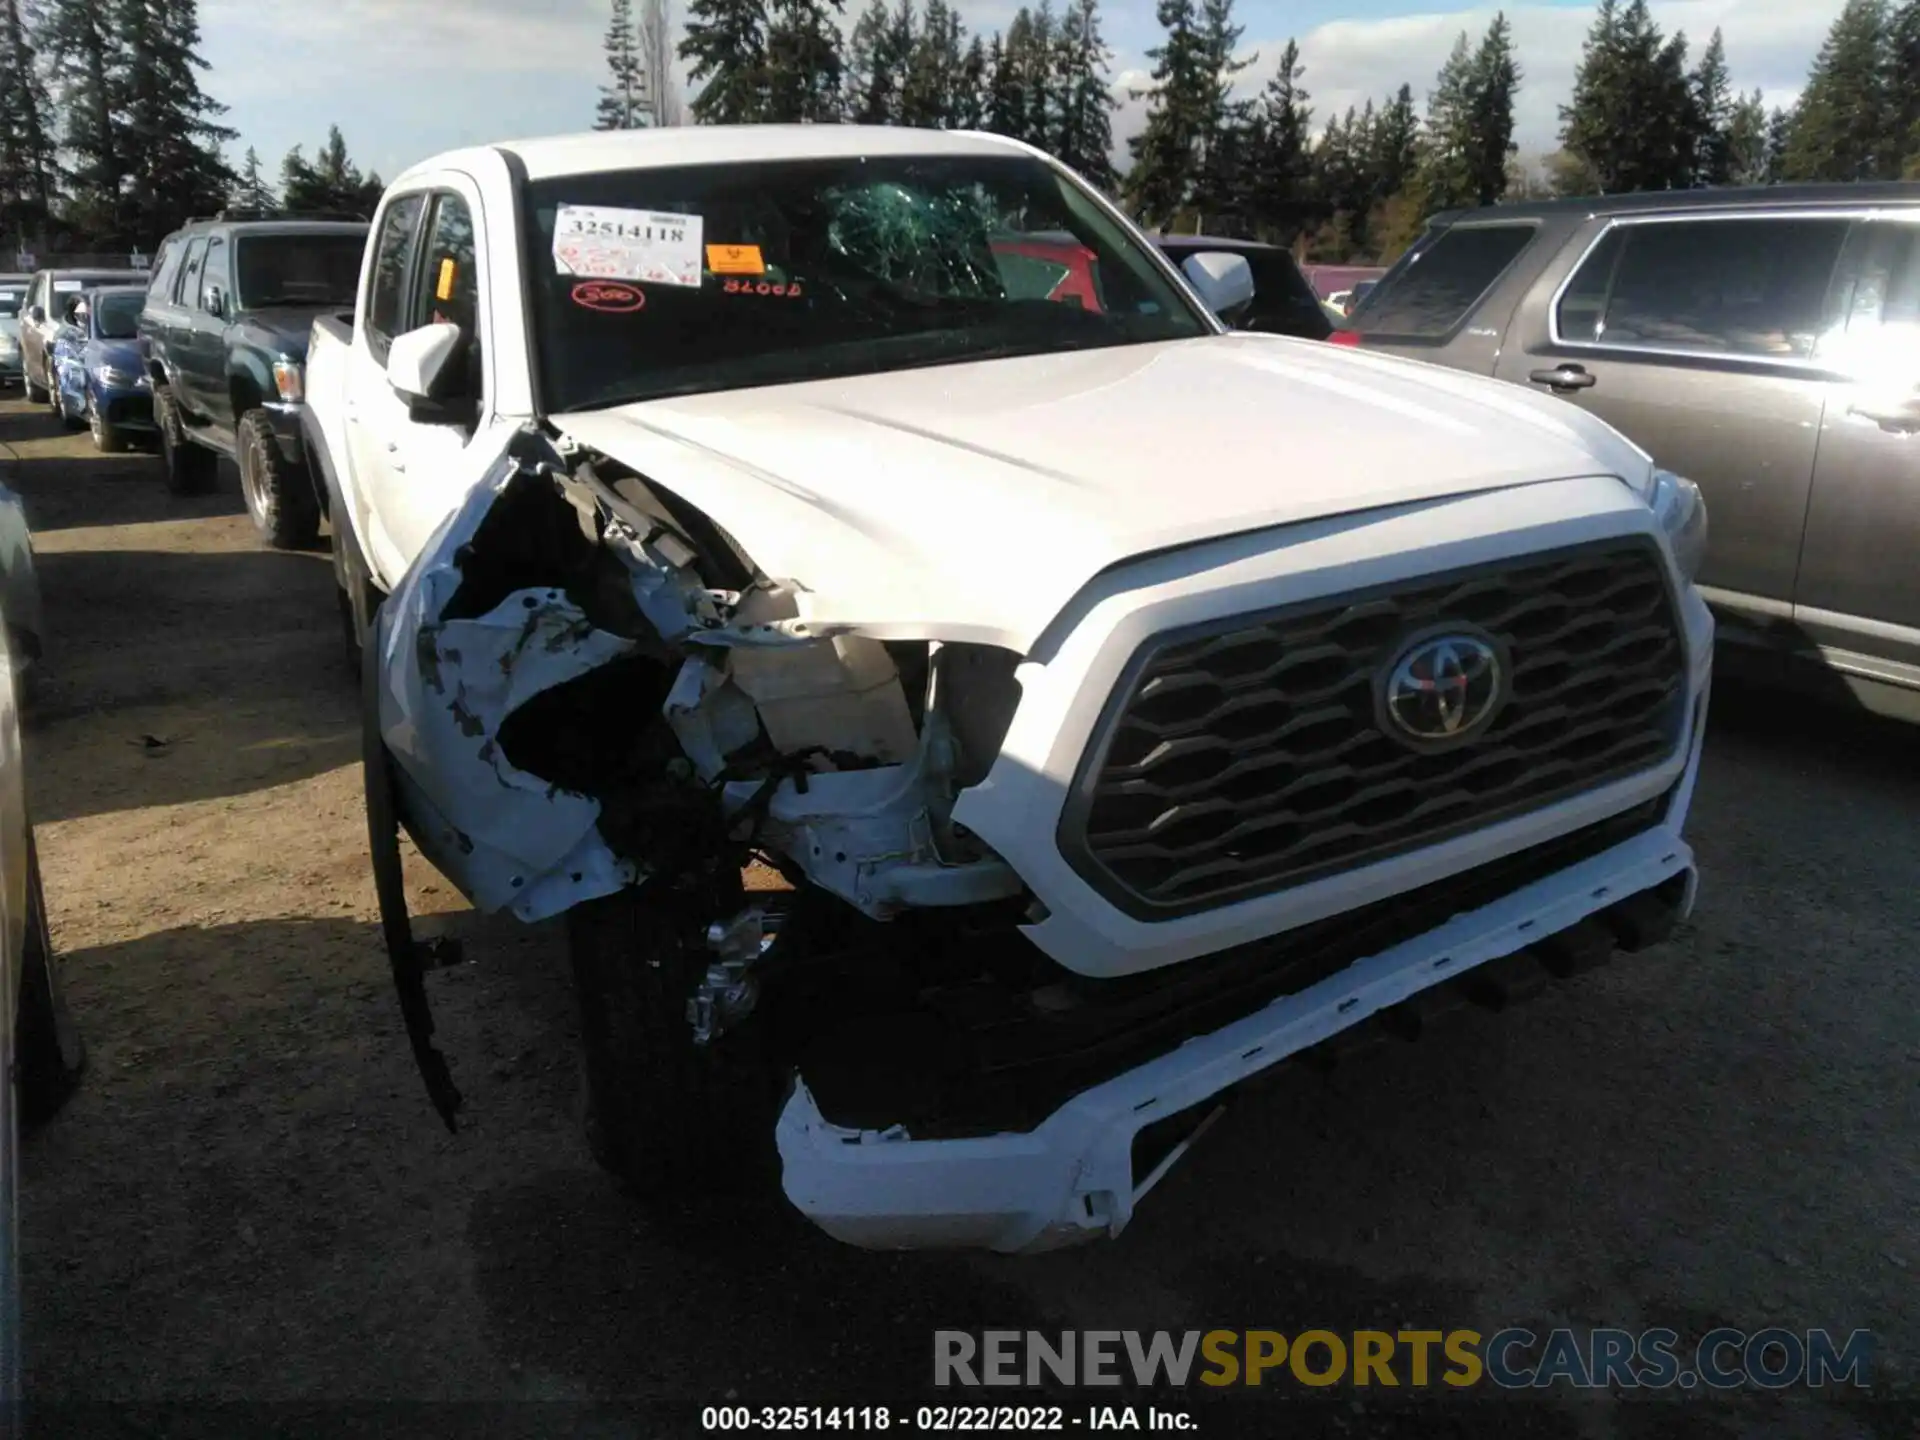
x=101 y=380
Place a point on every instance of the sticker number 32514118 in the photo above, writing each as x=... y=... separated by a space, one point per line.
x=604 y=243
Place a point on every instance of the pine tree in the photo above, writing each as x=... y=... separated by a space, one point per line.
x=1779 y=136
x=1280 y=177
x=873 y=68
x=804 y=61
x=250 y=189
x=930 y=95
x=726 y=51
x=1447 y=168
x=170 y=136
x=1084 y=136
x=1178 y=113
x=1040 y=61
x=1006 y=107
x=86 y=64
x=975 y=75
x=1840 y=128
x=623 y=103
x=332 y=183
x=655 y=28
x=1746 y=141
x=1226 y=135
x=1492 y=83
x=1632 y=124
x=1714 y=110
x=28 y=164
x=1903 y=89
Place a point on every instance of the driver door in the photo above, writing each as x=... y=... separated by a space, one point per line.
x=414 y=471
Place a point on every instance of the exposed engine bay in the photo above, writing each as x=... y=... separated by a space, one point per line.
x=634 y=691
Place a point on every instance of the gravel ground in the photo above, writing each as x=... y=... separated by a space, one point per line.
x=249 y=1204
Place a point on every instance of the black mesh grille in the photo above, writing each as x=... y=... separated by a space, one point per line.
x=1247 y=755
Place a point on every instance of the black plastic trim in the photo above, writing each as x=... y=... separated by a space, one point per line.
x=1071 y=832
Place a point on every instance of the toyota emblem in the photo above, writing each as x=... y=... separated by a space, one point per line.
x=1443 y=689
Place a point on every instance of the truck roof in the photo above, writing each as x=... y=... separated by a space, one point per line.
x=556 y=155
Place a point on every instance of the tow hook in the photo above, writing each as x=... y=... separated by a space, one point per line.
x=728 y=992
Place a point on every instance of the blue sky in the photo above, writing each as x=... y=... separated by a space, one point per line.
x=407 y=78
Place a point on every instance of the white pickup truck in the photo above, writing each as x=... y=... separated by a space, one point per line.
x=1114 y=705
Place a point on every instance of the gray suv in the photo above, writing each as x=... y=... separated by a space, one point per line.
x=1765 y=343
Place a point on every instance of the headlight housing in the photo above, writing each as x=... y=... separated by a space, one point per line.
x=290 y=380
x=119 y=379
x=1680 y=508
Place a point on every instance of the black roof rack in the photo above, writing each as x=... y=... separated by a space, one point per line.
x=242 y=215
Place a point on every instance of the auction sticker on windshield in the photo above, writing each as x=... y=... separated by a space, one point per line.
x=603 y=243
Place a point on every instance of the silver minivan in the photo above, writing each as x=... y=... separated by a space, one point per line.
x=1764 y=342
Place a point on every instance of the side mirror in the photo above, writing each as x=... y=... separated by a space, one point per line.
x=1224 y=281
x=422 y=370
x=214 y=301
x=36 y=315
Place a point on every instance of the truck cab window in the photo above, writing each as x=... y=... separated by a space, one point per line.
x=189 y=291
x=213 y=270
x=392 y=260
x=449 y=285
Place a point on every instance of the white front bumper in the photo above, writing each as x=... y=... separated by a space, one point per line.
x=1072 y=1177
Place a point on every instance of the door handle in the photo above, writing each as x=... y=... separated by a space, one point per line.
x=1563 y=378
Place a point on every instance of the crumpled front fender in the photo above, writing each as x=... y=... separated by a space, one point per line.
x=507 y=839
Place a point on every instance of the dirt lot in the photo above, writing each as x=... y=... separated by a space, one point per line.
x=250 y=1201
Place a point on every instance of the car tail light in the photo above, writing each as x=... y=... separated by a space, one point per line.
x=1345 y=337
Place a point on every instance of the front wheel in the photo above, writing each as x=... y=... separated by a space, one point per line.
x=279 y=497
x=107 y=439
x=668 y=1118
x=49 y=1055
x=359 y=597
x=189 y=469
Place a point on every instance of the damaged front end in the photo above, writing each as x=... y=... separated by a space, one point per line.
x=583 y=687
x=582 y=681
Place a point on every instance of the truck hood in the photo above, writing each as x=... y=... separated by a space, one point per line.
x=970 y=502
x=283 y=328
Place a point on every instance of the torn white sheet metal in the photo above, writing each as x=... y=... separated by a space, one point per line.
x=506 y=838
x=513 y=840
x=868 y=836
x=710 y=716
x=509 y=839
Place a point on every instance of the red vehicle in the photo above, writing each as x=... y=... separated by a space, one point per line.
x=1063 y=266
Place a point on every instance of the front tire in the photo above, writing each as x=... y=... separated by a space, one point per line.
x=49 y=1055
x=669 y=1119
x=189 y=469
x=279 y=498
x=107 y=439
x=358 y=596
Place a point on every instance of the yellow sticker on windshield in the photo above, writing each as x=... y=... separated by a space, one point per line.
x=735 y=260
x=443 y=290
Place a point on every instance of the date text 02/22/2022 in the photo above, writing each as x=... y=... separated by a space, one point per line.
x=942 y=1419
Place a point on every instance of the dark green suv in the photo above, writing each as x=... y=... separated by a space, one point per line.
x=225 y=328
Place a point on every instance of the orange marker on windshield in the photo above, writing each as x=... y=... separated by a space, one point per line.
x=735 y=260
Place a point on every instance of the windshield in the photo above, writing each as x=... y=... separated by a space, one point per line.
x=117 y=317
x=674 y=281
x=298 y=269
